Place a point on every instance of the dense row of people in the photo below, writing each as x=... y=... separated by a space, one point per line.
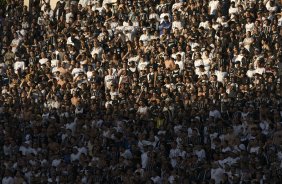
x=125 y=91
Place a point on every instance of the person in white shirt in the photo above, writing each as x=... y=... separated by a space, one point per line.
x=44 y=4
x=56 y=162
x=215 y=24
x=48 y=11
x=71 y=126
x=259 y=67
x=43 y=59
x=248 y=41
x=264 y=125
x=280 y=20
x=271 y=6
x=109 y=79
x=142 y=110
x=142 y=65
x=75 y=155
x=198 y=61
x=19 y=65
x=54 y=61
x=200 y=71
x=206 y=60
x=77 y=70
x=25 y=24
x=7 y=179
x=216 y=173
x=129 y=31
x=249 y=25
x=98 y=6
x=114 y=23
x=233 y=10
x=176 y=24
x=213 y=7
x=84 y=3
x=26 y=149
x=204 y=22
x=90 y=73
x=173 y=154
x=200 y=152
x=145 y=37
x=239 y=57
x=154 y=15
x=177 y=5
x=126 y=153
x=220 y=74
x=156 y=179
x=68 y=15
x=163 y=15
x=215 y=114
x=219 y=20
x=98 y=50
x=224 y=21
x=120 y=26
x=15 y=42
x=144 y=159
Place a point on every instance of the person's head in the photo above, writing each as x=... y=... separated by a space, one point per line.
x=271 y=3
x=15 y=35
x=233 y=4
x=166 y=19
x=202 y=68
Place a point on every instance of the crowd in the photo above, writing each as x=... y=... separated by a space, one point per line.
x=144 y=91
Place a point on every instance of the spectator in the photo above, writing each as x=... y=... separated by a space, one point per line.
x=114 y=91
